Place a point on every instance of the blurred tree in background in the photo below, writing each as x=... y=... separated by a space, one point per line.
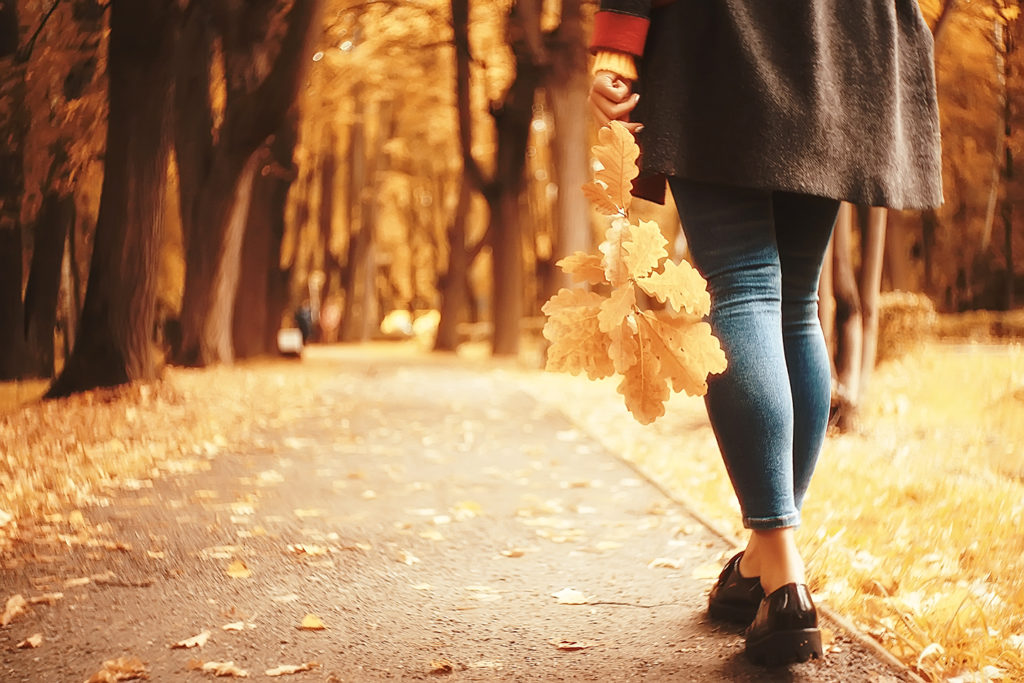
x=207 y=168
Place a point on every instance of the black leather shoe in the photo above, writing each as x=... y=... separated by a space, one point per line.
x=734 y=597
x=785 y=629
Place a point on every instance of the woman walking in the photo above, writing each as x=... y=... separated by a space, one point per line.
x=762 y=117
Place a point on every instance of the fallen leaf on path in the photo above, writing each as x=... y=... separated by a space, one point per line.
x=77 y=583
x=665 y=563
x=238 y=570
x=32 y=641
x=312 y=622
x=487 y=664
x=828 y=640
x=432 y=535
x=467 y=509
x=441 y=666
x=218 y=668
x=572 y=645
x=238 y=626
x=423 y=587
x=570 y=596
x=48 y=598
x=194 y=641
x=286 y=669
x=513 y=552
x=16 y=605
x=711 y=570
x=120 y=669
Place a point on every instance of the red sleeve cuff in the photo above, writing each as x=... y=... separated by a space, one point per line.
x=619 y=32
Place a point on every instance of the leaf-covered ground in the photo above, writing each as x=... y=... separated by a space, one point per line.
x=913 y=524
x=365 y=514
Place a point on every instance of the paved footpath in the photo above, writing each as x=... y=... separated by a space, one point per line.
x=428 y=515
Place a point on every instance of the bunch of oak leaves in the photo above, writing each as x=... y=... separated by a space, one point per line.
x=604 y=331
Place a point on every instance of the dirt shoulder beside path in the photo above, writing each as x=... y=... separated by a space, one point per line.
x=428 y=514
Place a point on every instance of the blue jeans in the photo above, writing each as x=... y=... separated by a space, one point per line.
x=761 y=253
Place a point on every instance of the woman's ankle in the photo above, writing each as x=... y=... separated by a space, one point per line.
x=773 y=556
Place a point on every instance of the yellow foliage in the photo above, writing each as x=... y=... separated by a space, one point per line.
x=605 y=335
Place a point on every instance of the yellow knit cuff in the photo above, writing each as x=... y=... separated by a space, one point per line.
x=617 y=62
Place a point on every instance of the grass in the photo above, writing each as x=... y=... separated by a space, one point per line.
x=914 y=525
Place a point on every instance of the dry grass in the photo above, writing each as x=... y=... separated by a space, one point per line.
x=913 y=526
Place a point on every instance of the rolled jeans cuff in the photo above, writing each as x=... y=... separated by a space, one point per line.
x=765 y=523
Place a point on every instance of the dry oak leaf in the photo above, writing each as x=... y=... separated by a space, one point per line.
x=624 y=349
x=645 y=248
x=572 y=327
x=238 y=570
x=220 y=669
x=16 y=605
x=583 y=267
x=616 y=307
x=597 y=193
x=687 y=351
x=614 y=252
x=312 y=622
x=194 y=641
x=120 y=669
x=286 y=669
x=32 y=641
x=680 y=285
x=441 y=666
x=617 y=153
x=643 y=387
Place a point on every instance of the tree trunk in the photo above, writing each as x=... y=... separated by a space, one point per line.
x=328 y=177
x=213 y=223
x=114 y=341
x=512 y=120
x=263 y=289
x=56 y=215
x=357 y=233
x=849 y=323
x=13 y=129
x=567 y=89
x=453 y=285
x=874 y=222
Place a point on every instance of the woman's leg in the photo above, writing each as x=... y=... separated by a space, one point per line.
x=803 y=225
x=761 y=253
x=731 y=235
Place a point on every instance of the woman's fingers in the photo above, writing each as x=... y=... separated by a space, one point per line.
x=611 y=99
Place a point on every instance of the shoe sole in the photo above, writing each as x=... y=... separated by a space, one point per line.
x=786 y=647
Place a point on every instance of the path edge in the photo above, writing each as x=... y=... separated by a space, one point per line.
x=869 y=643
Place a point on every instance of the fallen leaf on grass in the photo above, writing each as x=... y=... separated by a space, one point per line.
x=573 y=645
x=15 y=605
x=218 y=668
x=155 y=554
x=31 y=642
x=312 y=622
x=5 y=518
x=48 y=598
x=441 y=666
x=238 y=570
x=286 y=669
x=665 y=563
x=570 y=596
x=238 y=626
x=194 y=641
x=305 y=549
x=120 y=669
x=76 y=583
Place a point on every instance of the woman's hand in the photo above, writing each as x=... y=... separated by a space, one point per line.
x=612 y=98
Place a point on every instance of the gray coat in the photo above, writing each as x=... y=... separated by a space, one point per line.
x=827 y=97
